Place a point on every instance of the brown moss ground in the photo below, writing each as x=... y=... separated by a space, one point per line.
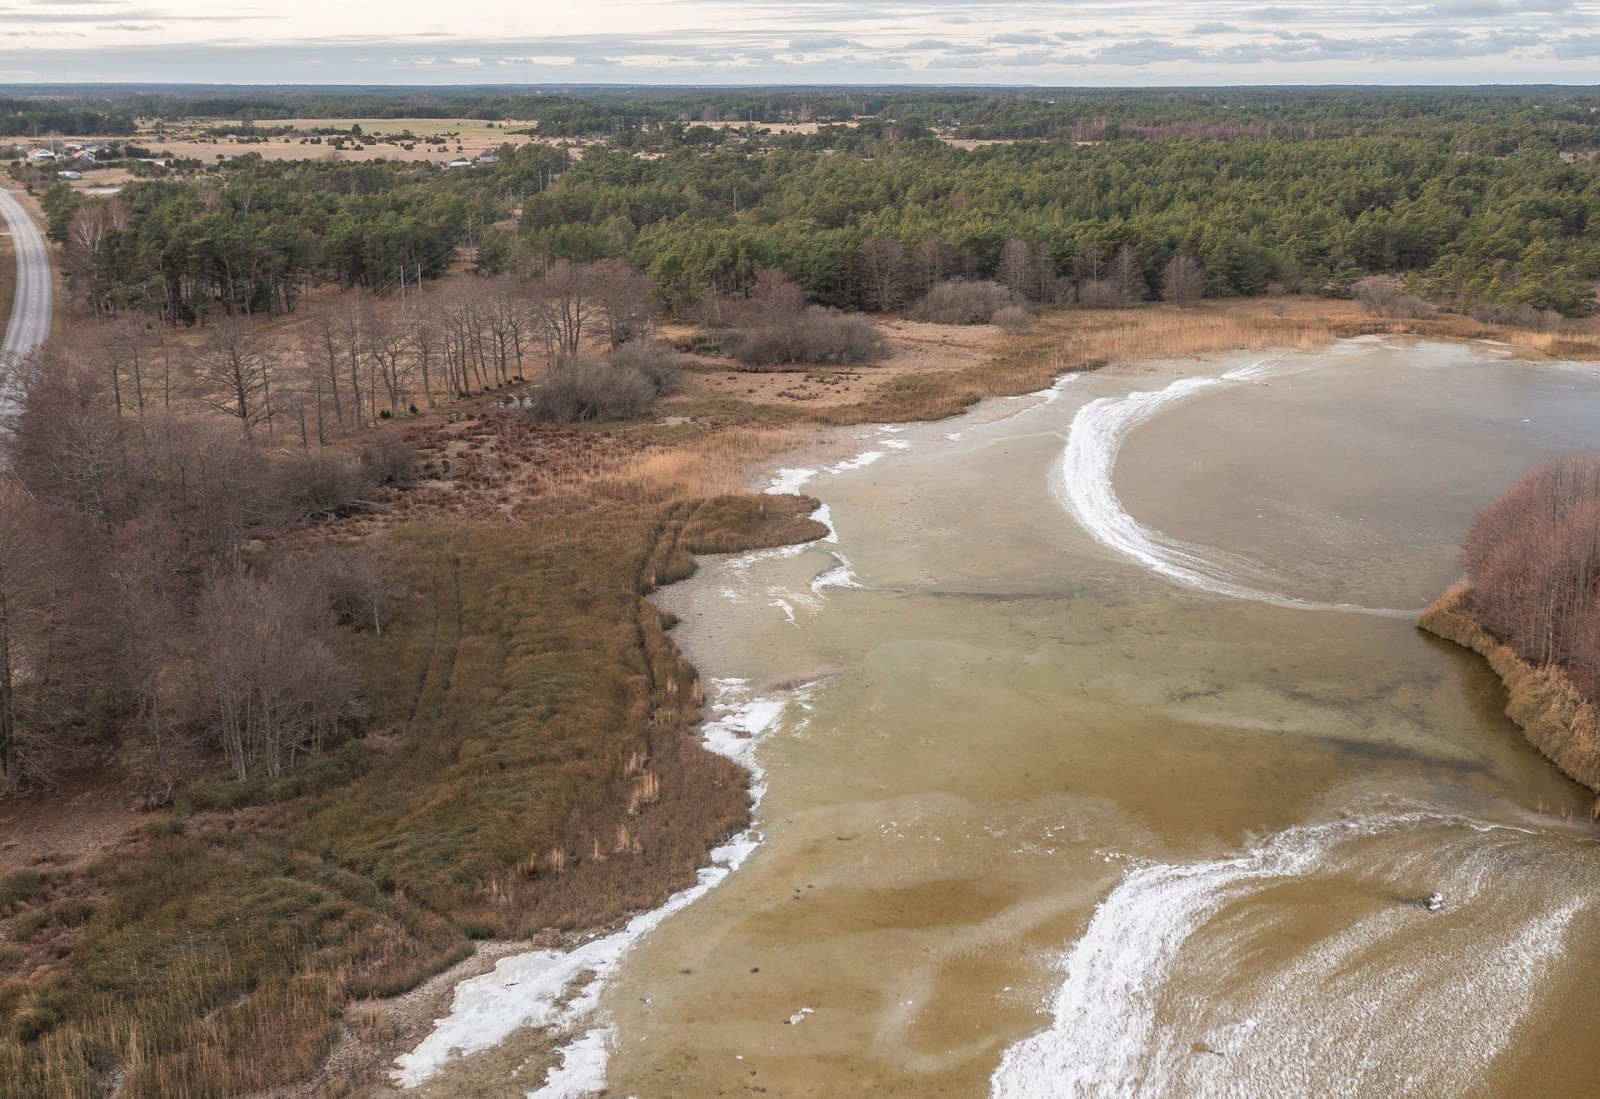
x=1557 y=720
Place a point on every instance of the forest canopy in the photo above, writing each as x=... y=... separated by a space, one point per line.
x=1474 y=198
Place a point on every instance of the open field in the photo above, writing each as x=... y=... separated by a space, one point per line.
x=466 y=129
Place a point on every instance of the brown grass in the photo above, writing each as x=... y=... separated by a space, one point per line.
x=8 y=278
x=1553 y=715
x=528 y=711
x=1067 y=342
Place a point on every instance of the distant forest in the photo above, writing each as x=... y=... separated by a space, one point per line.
x=1477 y=199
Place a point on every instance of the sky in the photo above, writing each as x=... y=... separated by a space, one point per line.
x=1042 y=42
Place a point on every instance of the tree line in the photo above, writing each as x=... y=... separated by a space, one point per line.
x=1533 y=559
x=1311 y=216
x=253 y=242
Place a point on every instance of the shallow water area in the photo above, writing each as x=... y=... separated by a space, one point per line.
x=1103 y=758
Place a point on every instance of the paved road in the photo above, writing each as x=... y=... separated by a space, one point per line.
x=30 y=308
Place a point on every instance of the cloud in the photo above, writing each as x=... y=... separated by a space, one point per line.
x=848 y=41
x=1281 y=15
x=1452 y=9
x=815 y=45
x=1145 y=51
x=1577 y=47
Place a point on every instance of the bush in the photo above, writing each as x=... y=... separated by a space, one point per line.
x=1013 y=319
x=390 y=462
x=1385 y=296
x=351 y=584
x=815 y=336
x=1101 y=294
x=961 y=302
x=657 y=360
x=593 y=389
x=321 y=486
x=1517 y=316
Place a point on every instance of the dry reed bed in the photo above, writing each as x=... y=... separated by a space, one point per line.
x=530 y=770
x=1553 y=715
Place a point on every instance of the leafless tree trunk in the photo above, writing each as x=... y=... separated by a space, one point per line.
x=882 y=269
x=233 y=371
x=24 y=569
x=1184 y=281
x=1018 y=272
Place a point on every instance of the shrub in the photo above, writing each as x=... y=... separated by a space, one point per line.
x=593 y=389
x=321 y=486
x=1516 y=316
x=815 y=336
x=657 y=360
x=1013 y=319
x=350 y=582
x=390 y=462
x=1101 y=294
x=21 y=888
x=962 y=302
x=1385 y=296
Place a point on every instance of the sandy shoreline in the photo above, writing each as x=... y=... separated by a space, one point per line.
x=1550 y=712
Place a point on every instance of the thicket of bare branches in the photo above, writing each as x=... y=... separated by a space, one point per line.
x=1385 y=296
x=775 y=328
x=592 y=389
x=1533 y=558
x=658 y=361
x=962 y=302
x=128 y=611
x=271 y=676
x=1183 y=282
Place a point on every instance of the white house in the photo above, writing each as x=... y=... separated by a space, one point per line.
x=70 y=175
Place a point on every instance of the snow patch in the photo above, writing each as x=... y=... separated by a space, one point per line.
x=562 y=988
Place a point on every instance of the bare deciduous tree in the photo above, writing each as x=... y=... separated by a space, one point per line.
x=1127 y=275
x=272 y=677
x=26 y=557
x=623 y=297
x=1018 y=271
x=933 y=261
x=883 y=270
x=1184 y=280
x=566 y=293
x=232 y=372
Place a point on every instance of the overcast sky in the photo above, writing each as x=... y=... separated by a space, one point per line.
x=1091 y=42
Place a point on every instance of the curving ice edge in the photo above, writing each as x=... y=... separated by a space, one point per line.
x=562 y=989
x=1128 y=1021
x=1081 y=481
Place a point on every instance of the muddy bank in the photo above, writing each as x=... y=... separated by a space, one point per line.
x=1551 y=713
